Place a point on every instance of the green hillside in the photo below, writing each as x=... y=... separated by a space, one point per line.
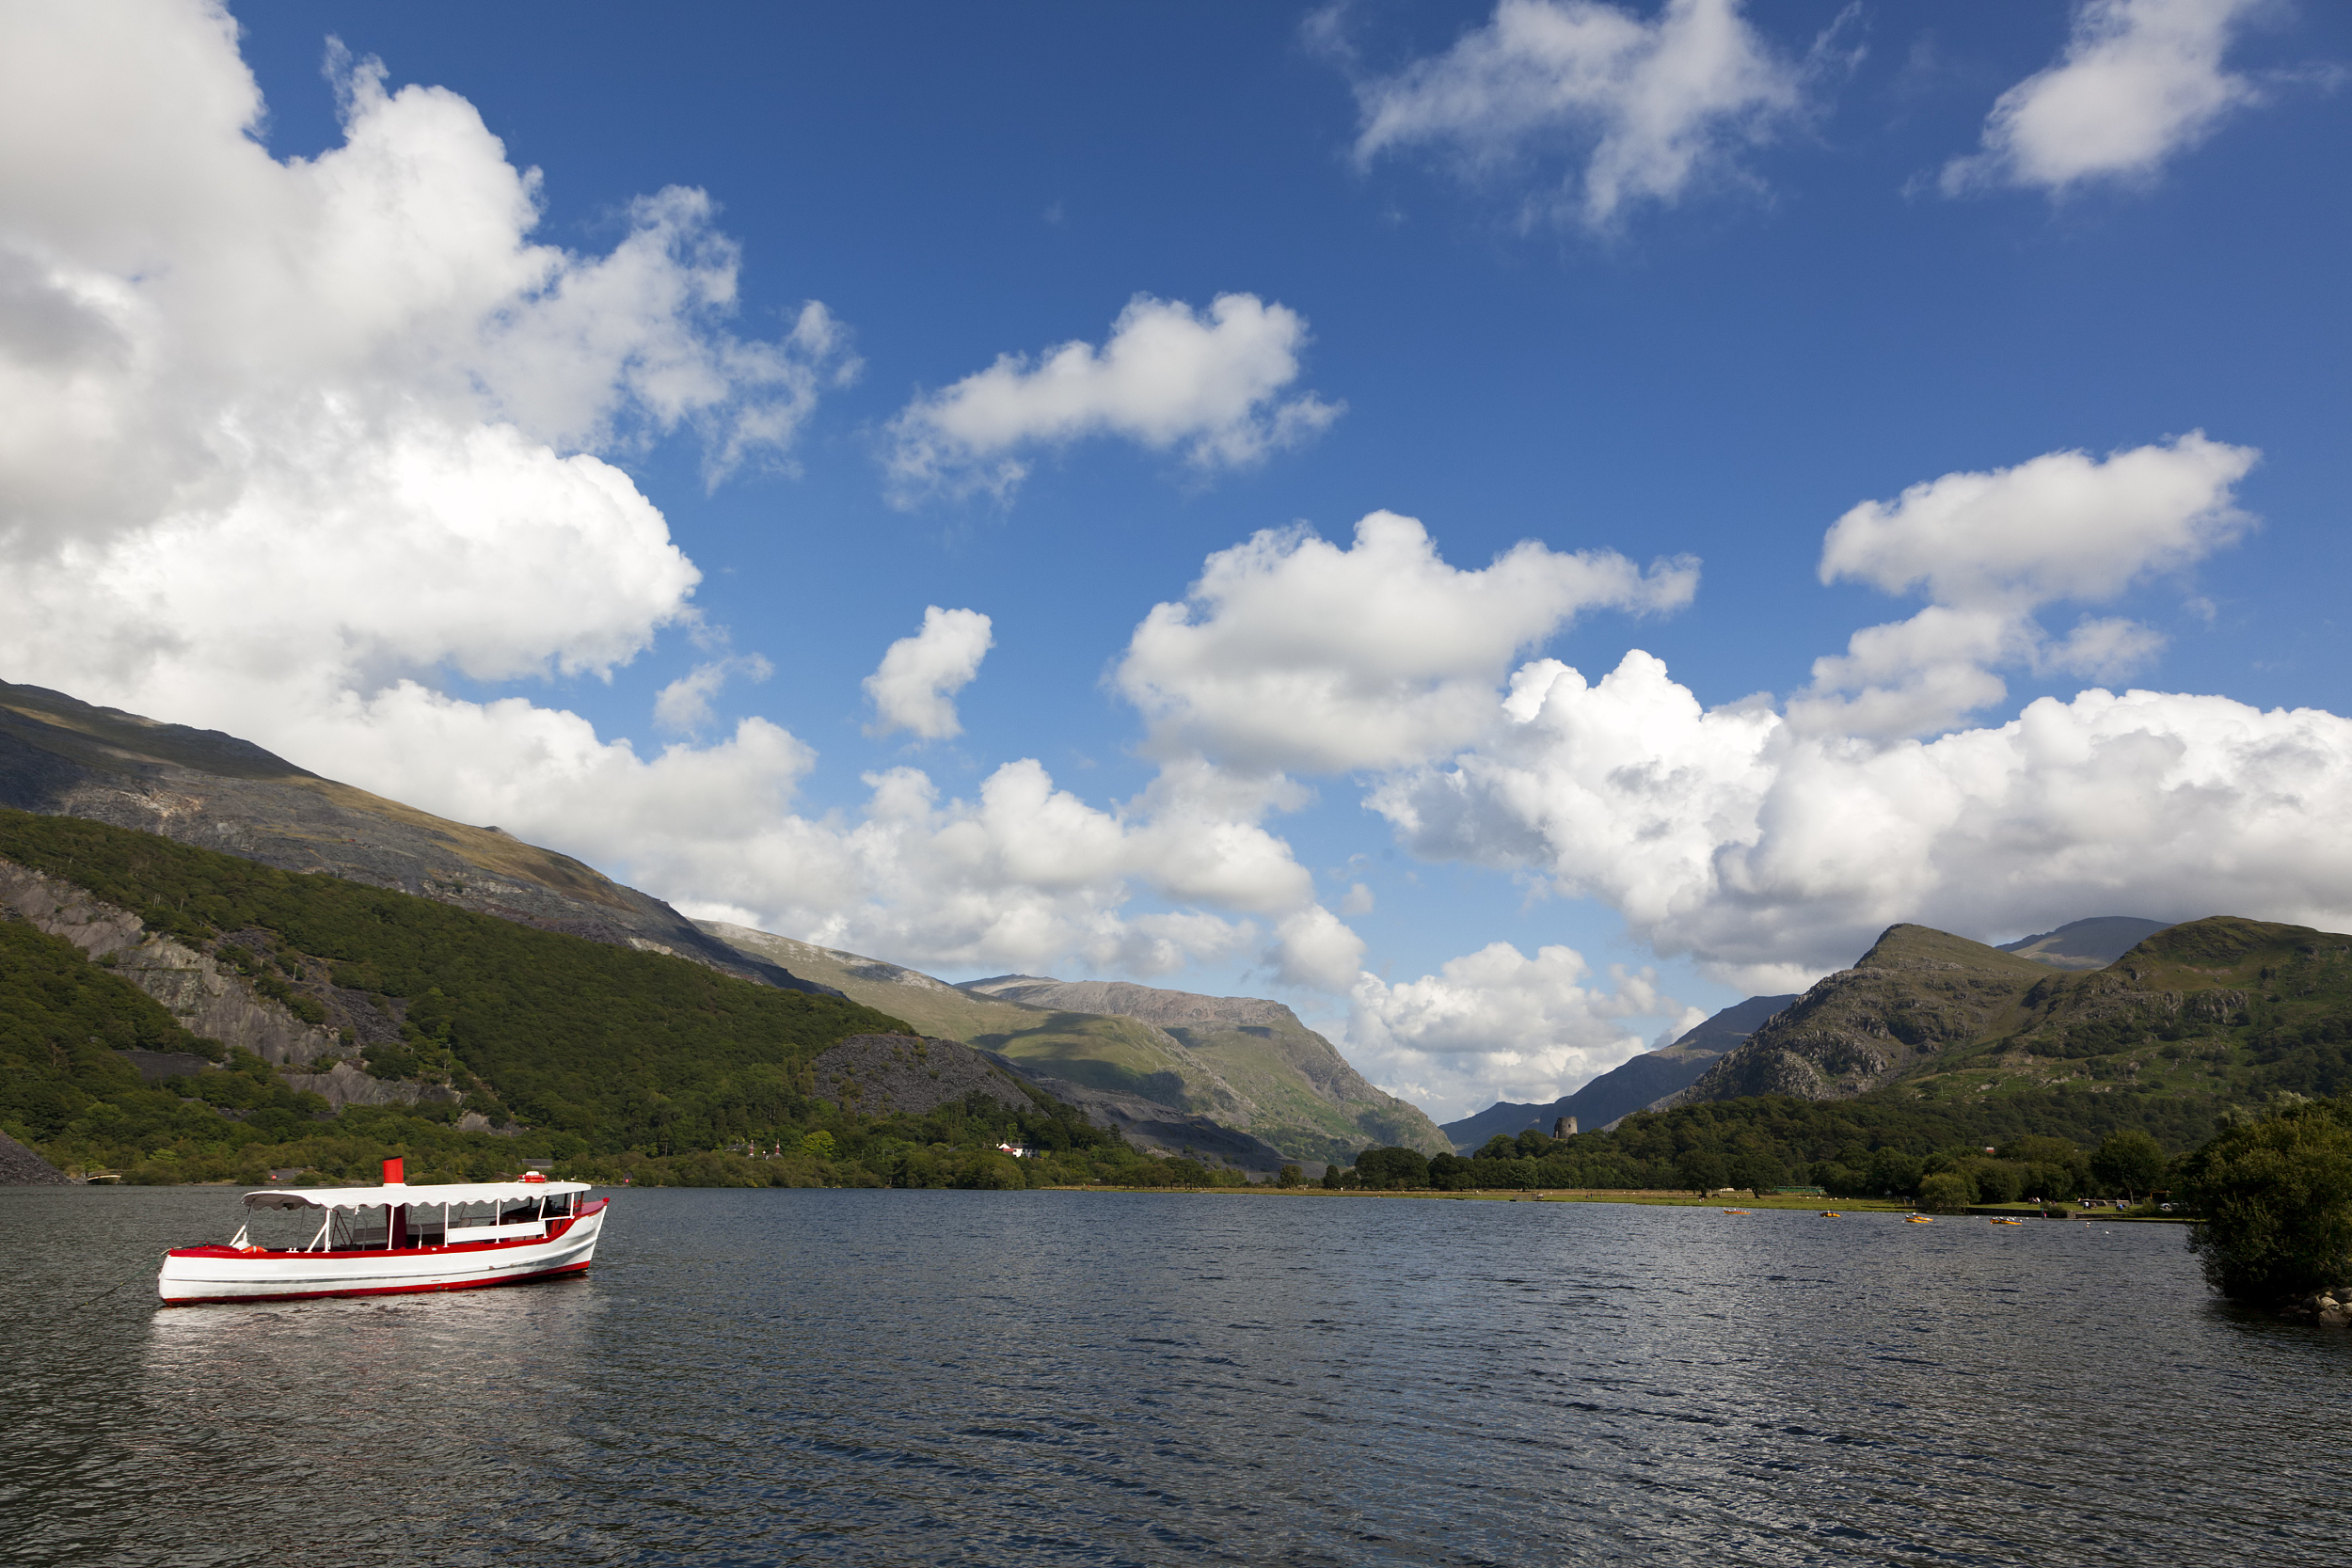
x=1932 y=1041
x=1117 y=1054
x=616 y=1063
x=599 y=1048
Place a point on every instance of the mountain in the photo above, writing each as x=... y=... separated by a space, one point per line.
x=2216 y=1012
x=60 y=756
x=1626 y=1087
x=2092 y=944
x=1155 y=1062
x=258 y=990
x=1295 y=1091
x=1121 y=1071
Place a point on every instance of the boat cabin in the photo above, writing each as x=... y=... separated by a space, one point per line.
x=395 y=1217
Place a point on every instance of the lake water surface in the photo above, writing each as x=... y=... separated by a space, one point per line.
x=934 y=1377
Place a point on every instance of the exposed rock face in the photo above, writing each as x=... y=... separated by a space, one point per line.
x=1916 y=993
x=66 y=757
x=21 y=1167
x=208 y=998
x=880 y=1074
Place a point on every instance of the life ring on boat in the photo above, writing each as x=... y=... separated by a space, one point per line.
x=248 y=1249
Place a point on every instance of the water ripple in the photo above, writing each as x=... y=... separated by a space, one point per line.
x=1108 y=1379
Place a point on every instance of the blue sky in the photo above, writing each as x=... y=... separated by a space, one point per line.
x=1692 y=281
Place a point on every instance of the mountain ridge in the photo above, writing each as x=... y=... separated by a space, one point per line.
x=62 y=756
x=1247 y=1064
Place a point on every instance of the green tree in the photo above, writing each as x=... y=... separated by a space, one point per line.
x=1947 y=1192
x=1703 y=1169
x=2128 y=1162
x=1289 y=1176
x=818 y=1144
x=1758 y=1170
x=2276 y=1195
x=1388 y=1169
x=1893 y=1171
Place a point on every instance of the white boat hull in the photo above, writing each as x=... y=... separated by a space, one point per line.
x=195 y=1275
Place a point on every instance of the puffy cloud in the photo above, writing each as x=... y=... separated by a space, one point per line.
x=2062 y=525
x=1496 y=1024
x=281 y=433
x=2139 y=81
x=915 y=685
x=683 y=706
x=1774 y=855
x=284 y=444
x=1024 y=875
x=1315 y=949
x=1210 y=382
x=1990 y=549
x=1648 y=105
x=1294 y=652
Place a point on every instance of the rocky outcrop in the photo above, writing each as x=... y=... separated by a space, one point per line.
x=879 y=1074
x=21 y=1167
x=207 y=996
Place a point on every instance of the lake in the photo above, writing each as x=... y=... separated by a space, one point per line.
x=940 y=1377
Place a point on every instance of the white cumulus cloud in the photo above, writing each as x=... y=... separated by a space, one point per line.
x=1496 y=1024
x=914 y=688
x=1294 y=652
x=2139 y=81
x=1774 y=855
x=683 y=706
x=288 y=444
x=1646 y=107
x=1208 y=382
x=1991 y=549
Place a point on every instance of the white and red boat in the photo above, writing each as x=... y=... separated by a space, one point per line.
x=393 y=1240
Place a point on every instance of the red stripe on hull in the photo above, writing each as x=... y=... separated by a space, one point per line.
x=381 y=1290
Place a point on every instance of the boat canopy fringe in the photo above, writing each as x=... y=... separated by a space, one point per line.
x=436 y=1193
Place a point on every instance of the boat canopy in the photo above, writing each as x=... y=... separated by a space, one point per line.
x=432 y=1193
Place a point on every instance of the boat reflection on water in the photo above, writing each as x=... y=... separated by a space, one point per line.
x=307 y=1400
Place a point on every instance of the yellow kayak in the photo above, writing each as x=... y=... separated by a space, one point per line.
x=1917 y=1219
x=1831 y=1215
x=2007 y=1221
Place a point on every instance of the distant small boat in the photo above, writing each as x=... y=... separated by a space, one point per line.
x=2005 y=1219
x=1831 y=1215
x=1735 y=1211
x=1917 y=1219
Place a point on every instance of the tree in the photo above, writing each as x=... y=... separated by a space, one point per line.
x=1703 y=1169
x=2127 y=1161
x=1947 y=1192
x=1501 y=1146
x=1893 y=1171
x=1388 y=1169
x=1289 y=1176
x=2277 y=1198
x=1758 y=1171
